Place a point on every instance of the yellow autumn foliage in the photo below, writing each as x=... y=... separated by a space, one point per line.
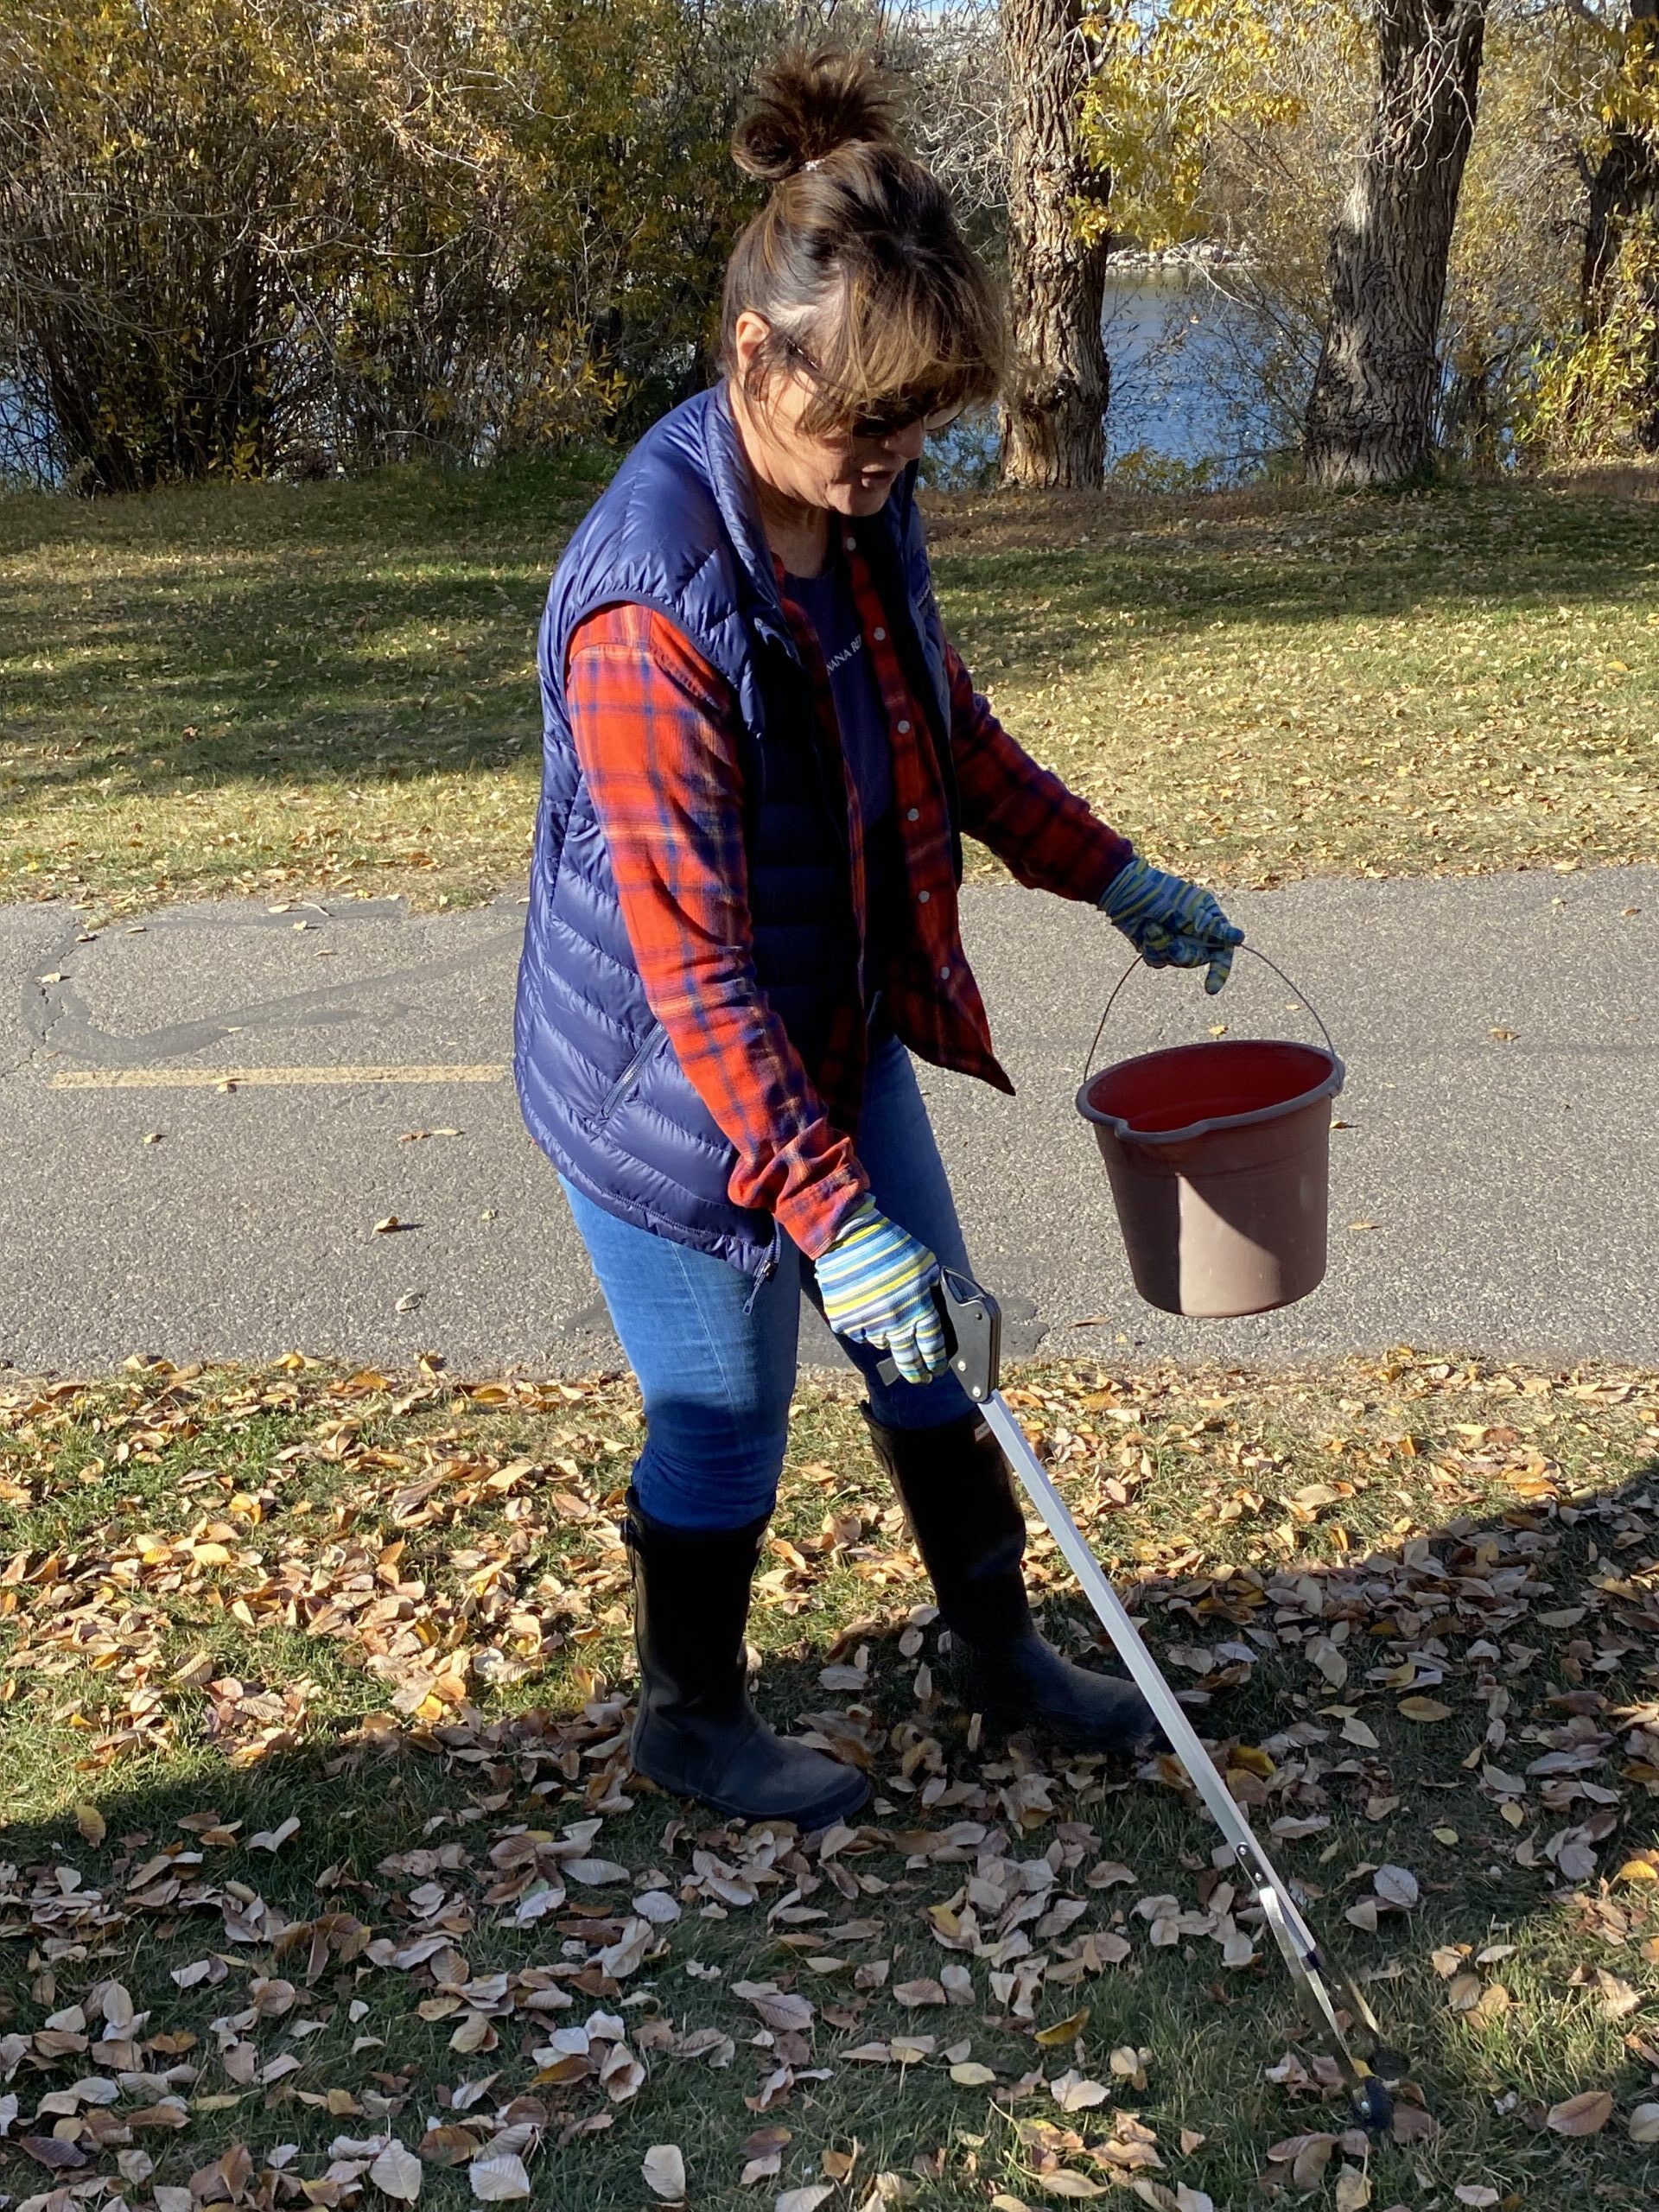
x=236 y=234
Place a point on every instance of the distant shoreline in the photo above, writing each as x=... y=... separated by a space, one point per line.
x=1199 y=253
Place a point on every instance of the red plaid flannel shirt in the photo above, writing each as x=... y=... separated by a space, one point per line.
x=657 y=736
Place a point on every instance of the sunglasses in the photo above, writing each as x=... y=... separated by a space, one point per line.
x=877 y=422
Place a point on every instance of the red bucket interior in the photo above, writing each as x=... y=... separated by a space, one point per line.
x=1161 y=1091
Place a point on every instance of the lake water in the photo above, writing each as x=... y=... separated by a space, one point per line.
x=1185 y=359
x=1188 y=403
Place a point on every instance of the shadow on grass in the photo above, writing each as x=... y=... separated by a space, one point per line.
x=270 y=634
x=368 y=633
x=1537 y=1624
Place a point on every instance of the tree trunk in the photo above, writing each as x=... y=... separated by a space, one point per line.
x=1052 y=416
x=1623 y=213
x=1370 y=415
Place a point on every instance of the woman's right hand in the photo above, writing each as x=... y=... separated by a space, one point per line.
x=876 y=1282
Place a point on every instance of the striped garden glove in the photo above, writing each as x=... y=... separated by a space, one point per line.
x=876 y=1283
x=1172 y=922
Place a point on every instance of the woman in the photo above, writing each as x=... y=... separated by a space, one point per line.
x=762 y=753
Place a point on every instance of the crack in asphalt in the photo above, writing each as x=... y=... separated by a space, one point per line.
x=66 y=1025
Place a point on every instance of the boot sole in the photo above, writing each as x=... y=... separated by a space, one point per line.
x=1071 y=1738
x=1011 y=1719
x=809 y=1820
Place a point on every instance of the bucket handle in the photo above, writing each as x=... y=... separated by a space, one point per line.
x=1140 y=962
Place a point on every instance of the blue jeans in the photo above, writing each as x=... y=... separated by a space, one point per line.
x=716 y=1371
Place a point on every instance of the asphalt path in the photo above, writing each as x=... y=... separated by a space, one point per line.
x=207 y=1114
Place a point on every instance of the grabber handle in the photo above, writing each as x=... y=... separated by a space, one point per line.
x=972 y=1335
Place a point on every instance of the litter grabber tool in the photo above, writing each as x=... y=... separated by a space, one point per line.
x=973 y=1331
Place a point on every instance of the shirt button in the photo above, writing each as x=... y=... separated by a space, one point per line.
x=879 y=635
x=850 y=542
x=922 y=898
x=913 y=814
x=904 y=727
x=944 y=975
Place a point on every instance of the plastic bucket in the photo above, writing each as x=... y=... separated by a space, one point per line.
x=1220 y=1156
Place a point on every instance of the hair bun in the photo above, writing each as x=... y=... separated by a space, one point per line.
x=809 y=102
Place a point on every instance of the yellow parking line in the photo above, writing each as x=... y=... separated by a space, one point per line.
x=237 y=1078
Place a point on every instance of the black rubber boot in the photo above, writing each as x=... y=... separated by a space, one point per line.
x=697 y=1734
x=959 y=1498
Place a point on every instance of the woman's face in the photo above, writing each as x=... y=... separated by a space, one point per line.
x=850 y=475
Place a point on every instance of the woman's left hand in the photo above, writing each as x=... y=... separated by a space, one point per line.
x=1172 y=922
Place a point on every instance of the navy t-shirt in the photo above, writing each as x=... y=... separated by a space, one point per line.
x=827 y=602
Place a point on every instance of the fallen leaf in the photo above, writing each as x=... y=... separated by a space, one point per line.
x=663 y=2168
x=594 y=1873
x=1397 y=1886
x=397 y=2172
x=1107 y=1874
x=447 y=2145
x=778 y=2008
x=1585 y=2114
x=274 y=1838
x=496 y=2178
x=1064 y=2030
x=805 y=2200
x=922 y=1992
x=90 y=1821
x=1645 y=2123
x=1353 y=2189
x=53 y=2152
x=970 y=2075
x=1424 y=1709
x=1074 y=2092
x=1476 y=2192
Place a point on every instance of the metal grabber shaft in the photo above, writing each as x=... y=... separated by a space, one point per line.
x=973 y=1326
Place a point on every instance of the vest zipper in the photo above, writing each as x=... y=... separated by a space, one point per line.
x=607 y=1103
x=767 y=1269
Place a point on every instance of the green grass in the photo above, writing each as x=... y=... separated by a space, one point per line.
x=241 y=688
x=394 y=1611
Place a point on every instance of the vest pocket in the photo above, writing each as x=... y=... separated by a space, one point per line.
x=613 y=1098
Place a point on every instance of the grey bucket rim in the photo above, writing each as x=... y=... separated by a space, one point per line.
x=1330 y=1087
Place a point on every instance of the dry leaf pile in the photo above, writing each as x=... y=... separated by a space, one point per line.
x=352 y=1893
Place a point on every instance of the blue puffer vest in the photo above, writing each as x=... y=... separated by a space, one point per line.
x=600 y=1085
